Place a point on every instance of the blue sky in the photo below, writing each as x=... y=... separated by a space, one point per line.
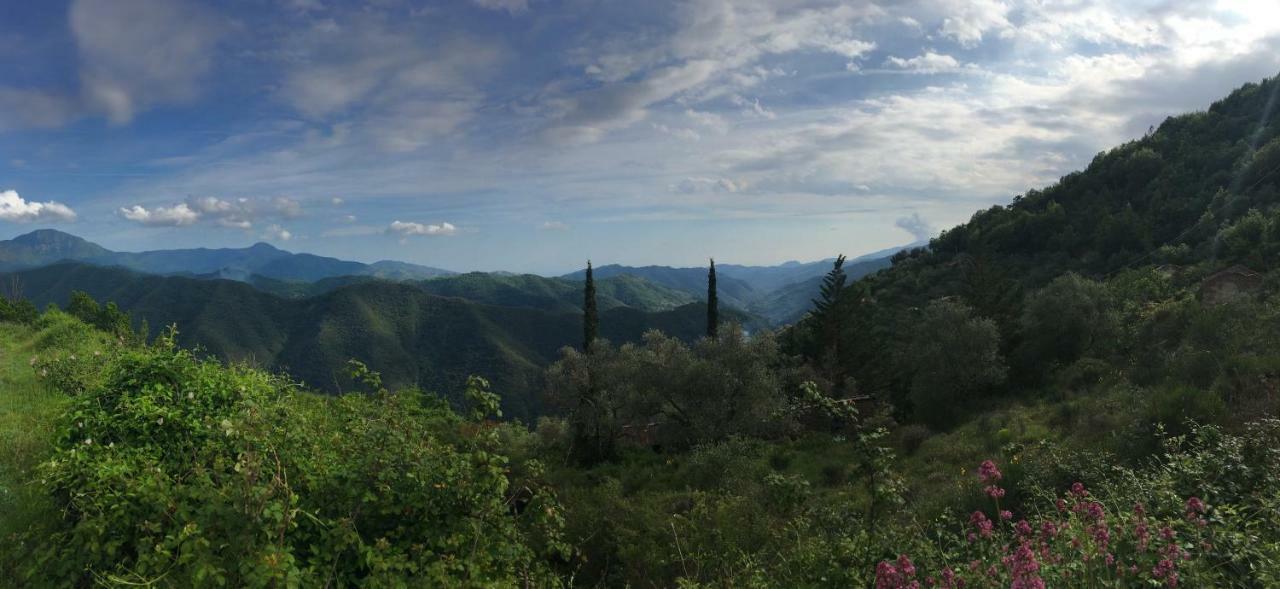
x=532 y=134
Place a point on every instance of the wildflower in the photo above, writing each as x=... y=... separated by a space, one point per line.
x=988 y=472
x=994 y=492
x=984 y=525
x=899 y=577
x=1142 y=535
x=1048 y=529
x=1077 y=489
x=1195 y=505
x=1062 y=505
x=1006 y=515
x=1023 y=528
x=1025 y=569
x=948 y=578
x=905 y=565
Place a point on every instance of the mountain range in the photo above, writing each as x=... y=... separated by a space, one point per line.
x=767 y=295
x=420 y=326
x=48 y=246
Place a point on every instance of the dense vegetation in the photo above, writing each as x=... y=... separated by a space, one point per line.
x=1077 y=390
x=413 y=337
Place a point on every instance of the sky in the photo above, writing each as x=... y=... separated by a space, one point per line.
x=530 y=135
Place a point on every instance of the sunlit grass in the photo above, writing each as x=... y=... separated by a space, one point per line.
x=28 y=411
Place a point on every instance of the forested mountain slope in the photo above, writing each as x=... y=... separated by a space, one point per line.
x=412 y=336
x=1105 y=267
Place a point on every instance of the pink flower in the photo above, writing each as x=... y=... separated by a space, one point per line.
x=1078 y=489
x=984 y=525
x=905 y=565
x=988 y=472
x=994 y=492
x=899 y=577
x=1006 y=515
x=1195 y=505
x=948 y=578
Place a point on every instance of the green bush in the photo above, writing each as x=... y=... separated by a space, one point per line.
x=181 y=472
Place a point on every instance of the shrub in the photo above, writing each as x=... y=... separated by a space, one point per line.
x=182 y=472
x=913 y=436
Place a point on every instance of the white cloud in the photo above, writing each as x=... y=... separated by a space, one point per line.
x=971 y=20
x=405 y=229
x=239 y=213
x=553 y=226
x=926 y=63
x=16 y=209
x=175 y=216
x=277 y=233
x=337 y=202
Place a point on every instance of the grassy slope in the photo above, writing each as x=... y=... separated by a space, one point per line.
x=28 y=410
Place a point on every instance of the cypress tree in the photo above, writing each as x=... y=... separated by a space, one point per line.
x=713 y=302
x=590 y=317
x=832 y=287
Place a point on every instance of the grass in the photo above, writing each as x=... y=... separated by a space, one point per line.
x=28 y=411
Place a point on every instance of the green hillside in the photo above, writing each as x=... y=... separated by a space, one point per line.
x=1146 y=225
x=413 y=336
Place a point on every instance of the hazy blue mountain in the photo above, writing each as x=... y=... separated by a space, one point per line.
x=393 y=270
x=789 y=303
x=767 y=279
x=693 y=281
x=48 y=246
x=780 y=294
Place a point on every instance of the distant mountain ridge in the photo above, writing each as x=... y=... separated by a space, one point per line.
x=774 y=295
x=779 y=294
x=47 y=246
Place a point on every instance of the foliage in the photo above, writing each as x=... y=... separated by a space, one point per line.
x=181 y=472
x=713 y=303
x=955 y=360
x=590 y=316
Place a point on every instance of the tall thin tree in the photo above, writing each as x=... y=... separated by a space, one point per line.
x=590 y=316
x=829 y=319
x=713 y=302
